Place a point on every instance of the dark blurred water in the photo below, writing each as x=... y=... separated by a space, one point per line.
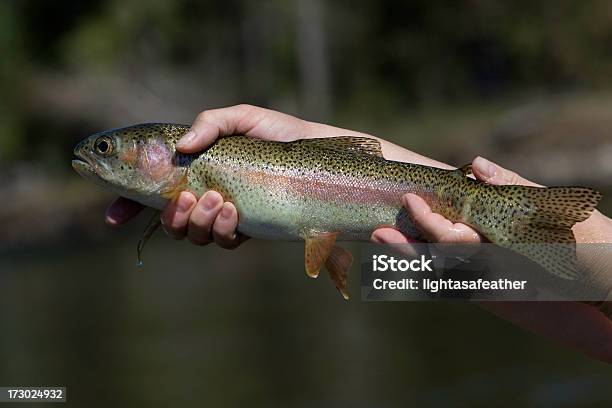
x=248 y=328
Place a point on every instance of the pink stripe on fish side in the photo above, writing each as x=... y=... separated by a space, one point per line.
x=325 y=186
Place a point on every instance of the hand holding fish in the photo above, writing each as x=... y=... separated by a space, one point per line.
x=573 y=324
x=209 y=219
x=436 y=227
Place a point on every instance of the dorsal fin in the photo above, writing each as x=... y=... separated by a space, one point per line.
x=356 y=144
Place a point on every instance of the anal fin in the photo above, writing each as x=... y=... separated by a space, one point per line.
x=338 y=263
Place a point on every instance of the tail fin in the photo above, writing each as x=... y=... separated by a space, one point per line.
x=528 y=216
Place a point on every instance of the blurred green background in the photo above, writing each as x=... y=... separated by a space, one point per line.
x=525 y=83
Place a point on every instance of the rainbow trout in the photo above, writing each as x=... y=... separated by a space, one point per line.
x=326 y=190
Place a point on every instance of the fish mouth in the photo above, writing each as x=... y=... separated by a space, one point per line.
x=82 y=165
x=85 y=170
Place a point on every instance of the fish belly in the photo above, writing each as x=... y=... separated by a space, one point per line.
x=281 y=207
x=297 y=218
x=267 y=214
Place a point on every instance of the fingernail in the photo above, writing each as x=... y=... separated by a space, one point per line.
x=406 y=199
x=226 y=211
x=187 y=138
x=377 y=239
x=184 y=204
x=488 y=169
x=409 y=203
x=209 y=201
x=115 y=214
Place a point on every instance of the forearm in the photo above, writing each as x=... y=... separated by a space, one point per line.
x=595 y=254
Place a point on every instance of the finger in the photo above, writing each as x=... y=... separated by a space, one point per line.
x=199 y=230
x=211 y=124
x=431 y=225
x=224 y=228
x=175 y=217
x=391 y=236
x=121 y=211
x=434 y=226
x=492 y=173
x=573 y=324
x=396 y=240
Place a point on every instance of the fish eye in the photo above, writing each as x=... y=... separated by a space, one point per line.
x=104 y=145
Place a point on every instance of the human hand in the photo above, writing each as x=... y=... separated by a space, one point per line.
x=434 y=226
x=209 y=219
x=574 y=324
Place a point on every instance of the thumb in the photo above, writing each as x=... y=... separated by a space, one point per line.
x=214 y=123
x=489 y=172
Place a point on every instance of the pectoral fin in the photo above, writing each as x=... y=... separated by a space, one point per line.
x=173 y=192
x=338 y=263
x=317 y=250
x=150 y=229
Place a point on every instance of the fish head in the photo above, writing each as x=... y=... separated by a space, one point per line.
x=138 y=162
